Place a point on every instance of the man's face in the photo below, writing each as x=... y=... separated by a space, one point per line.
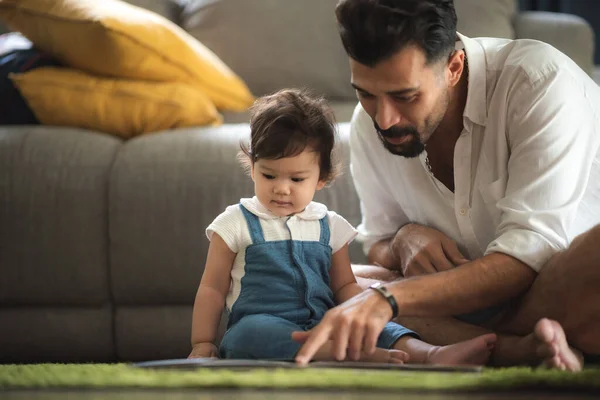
x=406 y=98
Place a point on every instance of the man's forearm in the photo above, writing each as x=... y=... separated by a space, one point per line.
x=348 y=291
x=381 y=254
x=482 y=283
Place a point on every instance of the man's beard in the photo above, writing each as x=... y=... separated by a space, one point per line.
x=411 y=148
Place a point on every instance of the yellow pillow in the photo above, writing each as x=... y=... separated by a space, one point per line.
x=64 y=97
x=116 y=39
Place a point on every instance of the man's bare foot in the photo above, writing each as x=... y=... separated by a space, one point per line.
x=553 y=349
x=475 y=351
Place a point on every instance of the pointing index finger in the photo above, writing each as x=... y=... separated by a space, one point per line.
x=319 y=336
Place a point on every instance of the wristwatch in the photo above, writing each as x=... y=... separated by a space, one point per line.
x=382 y=290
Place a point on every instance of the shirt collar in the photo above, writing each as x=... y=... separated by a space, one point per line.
x=475 y=108
x=313 y=211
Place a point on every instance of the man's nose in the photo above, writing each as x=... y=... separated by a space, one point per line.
x=387 y=115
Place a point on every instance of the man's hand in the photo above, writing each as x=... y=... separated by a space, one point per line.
x=353 y=327
x=204 y=350
x=422 y=250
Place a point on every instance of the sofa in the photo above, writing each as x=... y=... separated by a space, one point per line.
x=102 y=241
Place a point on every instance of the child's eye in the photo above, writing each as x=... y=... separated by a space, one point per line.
x=267 y=176
x=297 y=179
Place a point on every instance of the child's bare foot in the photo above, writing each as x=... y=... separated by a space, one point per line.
x=385 y=356
x=475 y=351
x=392 y=356
x=552 y=347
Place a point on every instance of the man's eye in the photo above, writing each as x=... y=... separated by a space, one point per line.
x=297 y=179
x=364 y=95
x=267 y=176
x=405 y=99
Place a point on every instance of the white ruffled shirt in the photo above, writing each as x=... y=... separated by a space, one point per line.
x=231 y=226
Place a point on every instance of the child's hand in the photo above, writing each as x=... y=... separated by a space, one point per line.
x=202 y=350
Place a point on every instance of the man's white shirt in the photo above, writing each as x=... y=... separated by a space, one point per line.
x=526 y=165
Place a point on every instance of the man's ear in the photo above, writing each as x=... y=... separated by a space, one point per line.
x=455 y=66
x=252 y=172
x=321 y=185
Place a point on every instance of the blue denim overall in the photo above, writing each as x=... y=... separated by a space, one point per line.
x=285 y=288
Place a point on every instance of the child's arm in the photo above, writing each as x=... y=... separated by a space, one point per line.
x=210 y=298
x=342 y=280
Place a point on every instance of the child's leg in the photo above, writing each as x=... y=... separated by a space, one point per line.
x=260 y=336
x=392 y=356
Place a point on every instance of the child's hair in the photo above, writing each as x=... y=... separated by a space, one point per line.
x=285 y=123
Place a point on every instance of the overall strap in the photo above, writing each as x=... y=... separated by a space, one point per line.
x=324 y=238
x=256 y=232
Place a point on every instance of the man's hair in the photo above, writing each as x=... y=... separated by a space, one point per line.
x=374 y=30
x=285 y=123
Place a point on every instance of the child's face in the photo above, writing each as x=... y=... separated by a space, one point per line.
x=287 y=185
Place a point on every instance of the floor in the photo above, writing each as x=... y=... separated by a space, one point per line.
x=274 y=395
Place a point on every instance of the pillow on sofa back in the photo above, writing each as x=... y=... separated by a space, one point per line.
x=274 y=44
x=113 y=38
x=125 y=108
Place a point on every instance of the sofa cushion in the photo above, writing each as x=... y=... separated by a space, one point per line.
x=113 y=38
x=165 y=189
x=56 y=334
x=126 y=108
x=486 y=18
x=54 y=222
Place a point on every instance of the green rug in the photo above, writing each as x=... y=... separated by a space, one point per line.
x=124 y=376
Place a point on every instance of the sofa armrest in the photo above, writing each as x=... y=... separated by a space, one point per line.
x=568 y=33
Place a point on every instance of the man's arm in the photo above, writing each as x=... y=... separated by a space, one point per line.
x=478 y=284
x=381 y=254
x=484 y=282
x=417 y=250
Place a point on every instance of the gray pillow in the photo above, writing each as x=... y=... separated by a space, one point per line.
x=169 y=9
x=486 y=18
x=272 y=44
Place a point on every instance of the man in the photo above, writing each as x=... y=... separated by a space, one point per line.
x=477 y=165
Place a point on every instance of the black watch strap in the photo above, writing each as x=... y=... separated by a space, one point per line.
x=382 y=290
